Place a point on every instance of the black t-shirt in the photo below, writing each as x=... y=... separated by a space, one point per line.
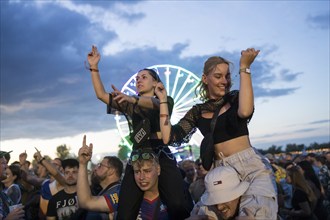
x=299 y=196
x=63 y=205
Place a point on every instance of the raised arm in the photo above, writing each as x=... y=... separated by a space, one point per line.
x=25 y=175
x=143 y=101
x=50 y=168
x=246 y=98
x=93 y=59
x=85 y=198
x=165 y=122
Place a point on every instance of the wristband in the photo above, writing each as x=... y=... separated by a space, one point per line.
x=163 y=102
x=94 y=70
x=245 y=70
x=40 y=161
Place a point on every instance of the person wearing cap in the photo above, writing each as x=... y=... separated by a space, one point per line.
x=221 y=199
x=142 y=114
x=6 y=154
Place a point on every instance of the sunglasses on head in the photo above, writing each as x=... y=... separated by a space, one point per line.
x=142 y=155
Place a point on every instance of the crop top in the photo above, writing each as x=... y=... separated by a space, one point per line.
x=228 y=125
x=135 y=114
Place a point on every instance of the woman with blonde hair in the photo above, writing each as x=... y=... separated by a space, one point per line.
x=231 y=143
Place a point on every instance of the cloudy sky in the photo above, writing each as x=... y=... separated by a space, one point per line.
x=47 y=98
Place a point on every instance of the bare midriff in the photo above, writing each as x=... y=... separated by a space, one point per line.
x=232 y=146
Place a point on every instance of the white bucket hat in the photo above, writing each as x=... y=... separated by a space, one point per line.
x=222 y=185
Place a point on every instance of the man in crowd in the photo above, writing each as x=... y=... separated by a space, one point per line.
x=146 y=171
x=108 y=173
x=64 y=205
x=50 y=179
x=221 y=199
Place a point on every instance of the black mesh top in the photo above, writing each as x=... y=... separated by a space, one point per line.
x=228 y=125
x=135 y=113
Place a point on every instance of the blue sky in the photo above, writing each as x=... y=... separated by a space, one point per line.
x=47 y=98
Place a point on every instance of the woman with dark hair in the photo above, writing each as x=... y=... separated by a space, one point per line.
x=142 y=113
x=315 y=184
x=12 y=188
x=232 y=145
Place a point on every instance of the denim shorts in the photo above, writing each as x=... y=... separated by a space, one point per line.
x=261 y=197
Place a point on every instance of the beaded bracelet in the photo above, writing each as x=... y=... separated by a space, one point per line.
x=95 y=70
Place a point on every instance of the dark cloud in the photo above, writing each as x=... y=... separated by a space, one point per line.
x=46 y=92
x=320 y=21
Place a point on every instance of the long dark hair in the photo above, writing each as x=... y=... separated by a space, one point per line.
x=309 y=173
x=152 y=73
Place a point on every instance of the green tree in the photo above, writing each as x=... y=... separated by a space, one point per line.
x=274 y=149
x=63 y=151
x=294 y=147
x=123 y=152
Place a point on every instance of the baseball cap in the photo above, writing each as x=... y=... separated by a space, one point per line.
x=5 y=153
x=222 y=185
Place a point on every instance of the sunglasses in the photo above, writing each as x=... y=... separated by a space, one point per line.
x=142 y=155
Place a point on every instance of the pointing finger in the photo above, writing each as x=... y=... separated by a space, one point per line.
x=114 y=88
x=84 y=141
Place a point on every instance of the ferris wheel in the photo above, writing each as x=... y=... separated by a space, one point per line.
x=180 y=84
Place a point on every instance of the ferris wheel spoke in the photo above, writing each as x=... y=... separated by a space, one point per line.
x=177 y=96
x=183 y=110
x=190 y=91
x=130 y=91
x=177 y=77
x=184 y=101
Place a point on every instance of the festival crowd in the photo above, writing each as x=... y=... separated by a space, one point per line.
x=230 y=180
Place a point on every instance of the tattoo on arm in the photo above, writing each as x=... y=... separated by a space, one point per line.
x=166 y=121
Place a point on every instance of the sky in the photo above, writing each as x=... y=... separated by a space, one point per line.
x=47 y=98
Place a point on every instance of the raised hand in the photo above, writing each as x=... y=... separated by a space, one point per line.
x=93 y=57
x=37 y=155
x=161 y=92
x=85 y=152
x=120 y=97
x=247 y=57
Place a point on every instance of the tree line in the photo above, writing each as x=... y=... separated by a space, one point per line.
x=63 y=151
